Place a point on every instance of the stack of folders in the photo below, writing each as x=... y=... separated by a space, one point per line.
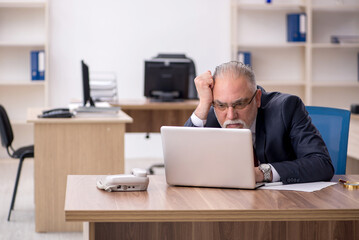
x=37 y=65
x=96 y=112
x=103 y=87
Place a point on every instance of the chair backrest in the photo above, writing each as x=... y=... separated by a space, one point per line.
x=333 y=125
x=6 y=133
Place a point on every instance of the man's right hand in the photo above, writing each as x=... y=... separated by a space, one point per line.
x=204 y=85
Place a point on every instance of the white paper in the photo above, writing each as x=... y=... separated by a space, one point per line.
x=303 y=187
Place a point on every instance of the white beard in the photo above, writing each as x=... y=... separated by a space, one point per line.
x=228 y=122
x=237 y=121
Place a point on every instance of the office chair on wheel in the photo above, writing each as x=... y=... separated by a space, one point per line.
x=7 y=137
x=333 y=125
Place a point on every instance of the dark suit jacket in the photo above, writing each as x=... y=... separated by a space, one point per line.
x=287 y=139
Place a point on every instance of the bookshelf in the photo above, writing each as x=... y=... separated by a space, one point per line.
x=23 y=28
x=320 y=72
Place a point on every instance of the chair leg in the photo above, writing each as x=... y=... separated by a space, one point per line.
x=15 y=187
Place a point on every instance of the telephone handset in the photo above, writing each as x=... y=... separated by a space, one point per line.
x=56 y=110
x=56 y=113
x=136 y=181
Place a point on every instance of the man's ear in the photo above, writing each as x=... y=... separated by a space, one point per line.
x=258 y=97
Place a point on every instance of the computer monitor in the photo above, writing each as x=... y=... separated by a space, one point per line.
x=169 y=78
x=86 y=84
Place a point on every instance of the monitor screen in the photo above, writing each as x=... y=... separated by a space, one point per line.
x=86 y=84
x=167 y=81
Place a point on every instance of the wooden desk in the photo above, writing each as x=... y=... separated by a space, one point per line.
x=165 y=212
x=71 y=146
x=150 y=116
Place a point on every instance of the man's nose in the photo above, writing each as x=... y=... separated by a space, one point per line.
x=231 y=113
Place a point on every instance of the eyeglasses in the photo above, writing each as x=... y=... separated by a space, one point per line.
x=237 y=105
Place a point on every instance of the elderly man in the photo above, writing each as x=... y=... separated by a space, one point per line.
x=287 y=146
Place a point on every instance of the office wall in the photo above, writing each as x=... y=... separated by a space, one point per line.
x=118 y=36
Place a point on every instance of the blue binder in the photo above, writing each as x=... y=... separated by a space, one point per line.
x=37 y=65
x=245 y=58
x=296 y=27
x=34 y=65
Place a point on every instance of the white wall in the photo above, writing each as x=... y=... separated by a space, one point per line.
x=115 y=35
x=118 y=35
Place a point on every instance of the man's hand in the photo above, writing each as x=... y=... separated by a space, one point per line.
x=259 y=174
x=204 y=85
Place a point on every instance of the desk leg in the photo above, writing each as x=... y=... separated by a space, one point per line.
x=88 y=231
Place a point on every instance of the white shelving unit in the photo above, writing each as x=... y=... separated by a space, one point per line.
x=23 y=28
x=320 y=72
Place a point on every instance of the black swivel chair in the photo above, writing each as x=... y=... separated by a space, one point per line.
x=7 y=137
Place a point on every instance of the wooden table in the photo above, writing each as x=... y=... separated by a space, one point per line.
x=150 y=116
x=166 y=212
x=71 y=146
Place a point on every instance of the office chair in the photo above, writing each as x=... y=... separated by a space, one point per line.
x=333 y=125
x=7 y=137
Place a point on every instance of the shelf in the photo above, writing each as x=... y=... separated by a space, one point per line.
x=315 y=70
x=334 y=45
x=335 y=84
x=270 y=45
x=22 y=4
x=23 y=28
x=22 y=84
x=22 y=44
x=336 y=8
x=270 y=6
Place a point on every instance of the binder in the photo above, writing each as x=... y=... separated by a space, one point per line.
x=296 y=27
x=34 y=65
x=41 y=65
x=37 y=62
x=244 y=57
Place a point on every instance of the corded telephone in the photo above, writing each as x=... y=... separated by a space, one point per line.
x=136 y=181
x=57 y=113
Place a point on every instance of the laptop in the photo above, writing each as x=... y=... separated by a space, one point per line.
x=208 y=157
